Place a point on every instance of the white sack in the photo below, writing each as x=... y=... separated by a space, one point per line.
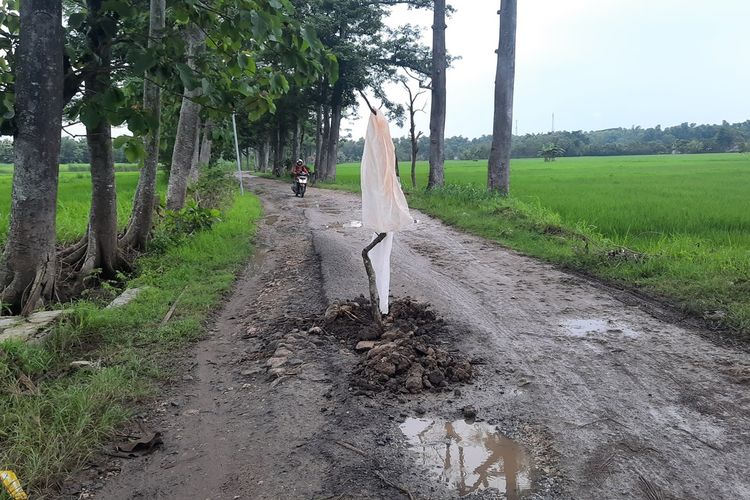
x=380 y=256
x=384 y=208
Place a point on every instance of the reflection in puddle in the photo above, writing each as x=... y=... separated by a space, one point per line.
x=354 y=223
x=586 y=327
x=469 y=457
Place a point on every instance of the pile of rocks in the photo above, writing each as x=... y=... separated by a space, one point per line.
x=404 y=362
x=406 y=358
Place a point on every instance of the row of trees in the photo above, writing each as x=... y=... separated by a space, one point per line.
x=288 y=69
x=72 y=150
x=370 y=54
x=684 y=138
x=103 y=63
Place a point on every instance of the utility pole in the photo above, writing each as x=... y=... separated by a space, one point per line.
x=553 y=123
x=516 y=128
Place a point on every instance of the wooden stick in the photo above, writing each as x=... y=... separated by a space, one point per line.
x=394 y=485
x=368 y=103
x=351 y=448
x=374 y=297
x=172 y=309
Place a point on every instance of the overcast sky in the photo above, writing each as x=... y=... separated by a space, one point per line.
x=595 y=64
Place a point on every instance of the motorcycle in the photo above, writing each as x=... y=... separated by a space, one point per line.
x=300 y=185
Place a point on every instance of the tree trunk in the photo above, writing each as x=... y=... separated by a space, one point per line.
x=262 y=163
x=318 y=136
x=100 y=250
x=28 y=265
x=205 y=156
x=498 y=171
x=414 y=151
x=101 y=247
x=193 y=175
x=184 y=143
x=320 y=172
x=278 y=161
x=437 y=110
x=296 y=139
x=141 y=218
x=333 y=133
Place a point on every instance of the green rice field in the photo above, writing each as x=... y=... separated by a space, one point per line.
x=73 y=200
x=688 y=215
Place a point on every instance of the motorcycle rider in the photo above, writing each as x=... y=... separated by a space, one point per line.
x=299 y=169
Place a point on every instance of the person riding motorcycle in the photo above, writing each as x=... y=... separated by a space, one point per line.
x=299 y=169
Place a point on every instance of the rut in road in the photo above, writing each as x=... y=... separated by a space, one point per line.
x=611 y=398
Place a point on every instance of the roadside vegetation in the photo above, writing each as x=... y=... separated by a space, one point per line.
x=676 y=227
x=52 y=423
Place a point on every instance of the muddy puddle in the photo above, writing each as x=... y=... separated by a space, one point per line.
x=597 y=327
x=469 y=457
x=270 y=220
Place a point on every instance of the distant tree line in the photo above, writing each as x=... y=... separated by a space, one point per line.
x=684 y=138
x=72 y=150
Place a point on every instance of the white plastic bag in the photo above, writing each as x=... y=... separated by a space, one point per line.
x=384 y=207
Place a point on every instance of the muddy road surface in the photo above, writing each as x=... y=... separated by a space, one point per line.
x=595 y=394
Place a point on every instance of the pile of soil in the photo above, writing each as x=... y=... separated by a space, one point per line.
x=406 y=357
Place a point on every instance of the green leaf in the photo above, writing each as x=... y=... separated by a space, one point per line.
x=120 y=7
x=134 y=150
x=143 y=60
x=109 y=26
x=76 y=19
x=119 y=142
x=187 y=76
x=90 y=116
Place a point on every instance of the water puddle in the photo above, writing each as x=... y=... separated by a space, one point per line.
x=593 y=327
x=270 y=219
x=354 y=223
x=469 y=456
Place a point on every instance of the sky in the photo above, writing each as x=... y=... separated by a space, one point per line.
x=595 y=64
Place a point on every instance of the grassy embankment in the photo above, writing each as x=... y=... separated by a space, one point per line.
x=47 y=432
x=686 y=219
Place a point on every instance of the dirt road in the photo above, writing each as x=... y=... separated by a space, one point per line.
x=601 y=397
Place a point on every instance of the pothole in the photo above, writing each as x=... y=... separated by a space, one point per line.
x=597 y=327
x=470 y=457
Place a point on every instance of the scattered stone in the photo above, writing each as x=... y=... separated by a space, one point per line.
x=436 y=377
x=125 y=297
x=276 y=362
x=187 y=378
x=315 y=330
x=469 y=412
x=84 y=364
x=363 y=345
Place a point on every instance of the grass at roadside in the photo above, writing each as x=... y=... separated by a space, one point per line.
x=44 y=435
x=686 y=219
